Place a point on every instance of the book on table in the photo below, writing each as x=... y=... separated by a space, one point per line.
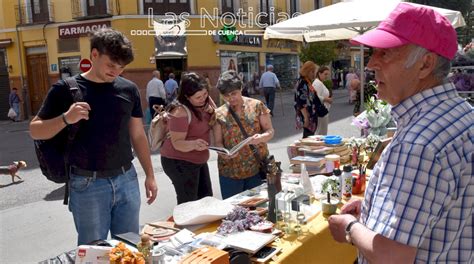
x=248 y=241
x=308 y=160
x=233 y=150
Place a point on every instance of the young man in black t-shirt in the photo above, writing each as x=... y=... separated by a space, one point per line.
x=104 y=192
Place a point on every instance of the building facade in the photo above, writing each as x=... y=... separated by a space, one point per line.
x=42 y=41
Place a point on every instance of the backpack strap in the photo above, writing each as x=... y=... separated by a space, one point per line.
x=77 y=96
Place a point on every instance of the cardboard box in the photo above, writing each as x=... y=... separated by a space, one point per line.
x=92 y=254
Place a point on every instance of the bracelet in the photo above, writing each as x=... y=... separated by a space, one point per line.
x=64 y=119
x=348 y=231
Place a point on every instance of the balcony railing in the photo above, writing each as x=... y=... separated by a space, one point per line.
x=84 y=10
x=34 y=14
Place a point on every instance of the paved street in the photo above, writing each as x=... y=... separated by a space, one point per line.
x=35 y=225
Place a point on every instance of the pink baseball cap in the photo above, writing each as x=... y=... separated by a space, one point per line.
x=418 y=25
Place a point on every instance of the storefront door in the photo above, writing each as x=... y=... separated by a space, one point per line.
x=175 y=66
x=38 y=82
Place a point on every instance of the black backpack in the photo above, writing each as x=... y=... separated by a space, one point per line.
x=53 y=154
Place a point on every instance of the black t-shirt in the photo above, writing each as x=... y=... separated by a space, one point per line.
x=103 y=141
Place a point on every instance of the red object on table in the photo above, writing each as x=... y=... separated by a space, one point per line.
x=358 y=183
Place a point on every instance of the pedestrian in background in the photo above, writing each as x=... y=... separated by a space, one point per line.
x=351 y=75
x=155 y=92
x=269 y=83
x=14 y=102
x=103 y=184
x=171 y=88
x=419 y=202
x=324 y=96
x=307 y=101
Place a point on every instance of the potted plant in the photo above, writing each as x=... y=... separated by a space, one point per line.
x=330 y=187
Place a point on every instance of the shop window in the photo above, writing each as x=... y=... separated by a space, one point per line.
x=317 y=4
x=68 y=45
x=227 y=6
x=69 y=66
x=96 y=7
x=266 y=9
x=294 y=7
x=34 y=11
x=84 y=9
x=160 y=7
x=245 y=63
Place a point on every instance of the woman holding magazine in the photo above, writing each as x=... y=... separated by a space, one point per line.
x=185 y=153
x=240 y=171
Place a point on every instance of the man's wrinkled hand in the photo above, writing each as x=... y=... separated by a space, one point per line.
x=352 y=207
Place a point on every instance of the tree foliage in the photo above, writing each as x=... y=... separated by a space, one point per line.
x=464 y=6
x=319 y=52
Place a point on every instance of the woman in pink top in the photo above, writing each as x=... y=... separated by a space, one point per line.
x=184 y=155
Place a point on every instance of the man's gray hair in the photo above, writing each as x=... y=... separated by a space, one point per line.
x=442 y=68
x=228 y=82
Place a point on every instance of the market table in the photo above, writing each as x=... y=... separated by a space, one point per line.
x=315 y=245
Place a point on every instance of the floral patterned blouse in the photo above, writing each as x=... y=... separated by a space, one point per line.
x=244 y=165
x=306 y=97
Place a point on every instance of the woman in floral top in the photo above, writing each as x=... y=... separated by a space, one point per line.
x=240 y=172
x=307 y=100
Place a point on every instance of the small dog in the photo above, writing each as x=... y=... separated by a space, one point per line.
x=12 y=169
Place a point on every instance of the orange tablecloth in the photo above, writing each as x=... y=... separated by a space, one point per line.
x=315 y=245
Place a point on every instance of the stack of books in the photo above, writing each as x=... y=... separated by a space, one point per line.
x=314 y=165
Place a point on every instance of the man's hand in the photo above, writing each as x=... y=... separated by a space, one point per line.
x=77 y=111
x=337 y=226
x=151 y=189
x=352 y=207
x=328 y=100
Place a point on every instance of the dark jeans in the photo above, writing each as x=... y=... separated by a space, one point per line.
x=269 y=93
x=191 y=181
x=231 y=187
x=155 y=101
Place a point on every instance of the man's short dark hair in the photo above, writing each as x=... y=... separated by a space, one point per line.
x=113 y=44
x=228 y=82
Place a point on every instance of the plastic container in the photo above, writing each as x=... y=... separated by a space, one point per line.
x=332 y=140
x=333 y=161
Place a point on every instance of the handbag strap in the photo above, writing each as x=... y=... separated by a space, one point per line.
x=244 y=133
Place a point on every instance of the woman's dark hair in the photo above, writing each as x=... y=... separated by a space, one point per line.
x=113 y=44
x=321 y=70
x=191 y=83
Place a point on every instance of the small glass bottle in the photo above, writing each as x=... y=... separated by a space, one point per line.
x=337 y=173
x=346 y=182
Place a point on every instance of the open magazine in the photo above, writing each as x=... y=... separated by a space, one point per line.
x=233 y=150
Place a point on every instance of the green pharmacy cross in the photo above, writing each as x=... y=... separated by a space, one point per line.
x=228 y=34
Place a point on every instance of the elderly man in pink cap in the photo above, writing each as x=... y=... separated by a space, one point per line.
x=418 y=206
